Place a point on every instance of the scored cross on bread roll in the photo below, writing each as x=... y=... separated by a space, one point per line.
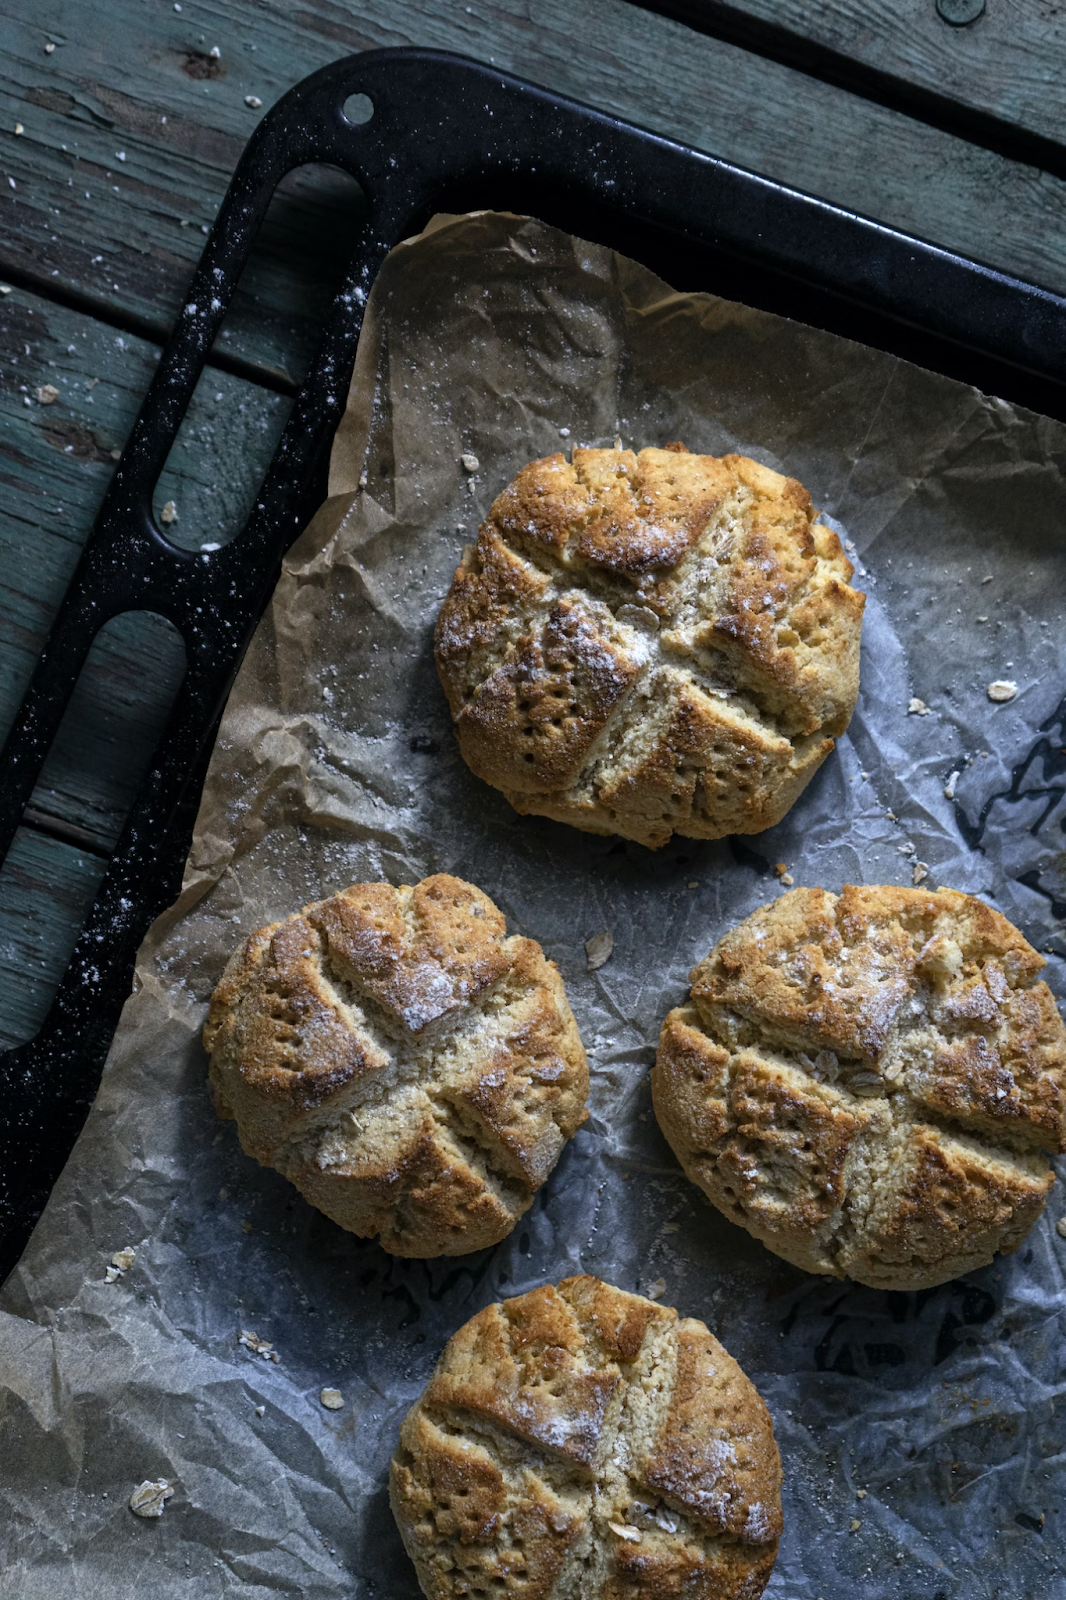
x=581 y=1443
x=651 y=644
x=412 y=1070
x=868 y=1082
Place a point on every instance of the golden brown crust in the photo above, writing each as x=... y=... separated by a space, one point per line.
x=579 y=1442
x=413 y=1071
x=866 y=1082
x=653 y=643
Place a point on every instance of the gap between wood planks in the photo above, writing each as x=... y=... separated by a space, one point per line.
x=127 y=321
x=755 y=105
x=180 y=118
x=55 y=461
x=752 y=29
x=64 y=832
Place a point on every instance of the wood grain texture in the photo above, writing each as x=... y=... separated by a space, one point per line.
x=131 y=131
x=111 y=727
x=55 y=463
x=131 y=134
x=1008 y=65
x=46 y=888
x=125 y=246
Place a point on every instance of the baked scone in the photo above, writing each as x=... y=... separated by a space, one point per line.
x=413 y=1071
x=868 y=1082
x=579 y=1443
x=651 y=644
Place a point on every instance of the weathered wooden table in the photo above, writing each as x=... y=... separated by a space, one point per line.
x=119 y=128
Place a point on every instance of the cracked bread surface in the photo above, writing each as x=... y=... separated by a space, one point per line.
x=653 y=643
x=581 y=1443
x=868 y=1082
x=413 y=1071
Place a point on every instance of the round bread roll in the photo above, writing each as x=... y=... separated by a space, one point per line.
x=414 y=1072
x=579 y=1443
x=867 y=1082
x=651 y=644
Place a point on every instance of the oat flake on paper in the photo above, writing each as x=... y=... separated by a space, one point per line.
x=496 y=337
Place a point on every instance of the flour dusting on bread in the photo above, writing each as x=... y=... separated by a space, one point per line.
x=651 y=643
x=412 y=1070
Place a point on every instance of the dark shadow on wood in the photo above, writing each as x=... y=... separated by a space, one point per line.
x=298 y=263
x=719 y=20
x=115 y=715
x=126 y=321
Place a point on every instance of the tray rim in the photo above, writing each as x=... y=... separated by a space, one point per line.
x=51 y=1079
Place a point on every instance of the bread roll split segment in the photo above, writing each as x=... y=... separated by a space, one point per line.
x=413 y=1071
x=869 y=1082
x=581 y=1443
x=653 y=643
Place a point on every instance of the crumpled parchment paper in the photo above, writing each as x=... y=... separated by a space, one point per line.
x=923 y=1450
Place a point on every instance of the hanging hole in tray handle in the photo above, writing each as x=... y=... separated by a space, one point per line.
x=358 y=108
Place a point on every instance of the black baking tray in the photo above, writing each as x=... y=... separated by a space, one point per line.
x=444 y=134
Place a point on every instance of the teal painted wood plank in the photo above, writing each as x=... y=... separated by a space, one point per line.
x=112 y=725
x=127 y=150
x=179 y=121
x=90 y=102
x=55 y=463
x=46 y=888
x=1007 y=64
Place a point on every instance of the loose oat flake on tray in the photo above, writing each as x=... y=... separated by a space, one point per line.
x=497 y=338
